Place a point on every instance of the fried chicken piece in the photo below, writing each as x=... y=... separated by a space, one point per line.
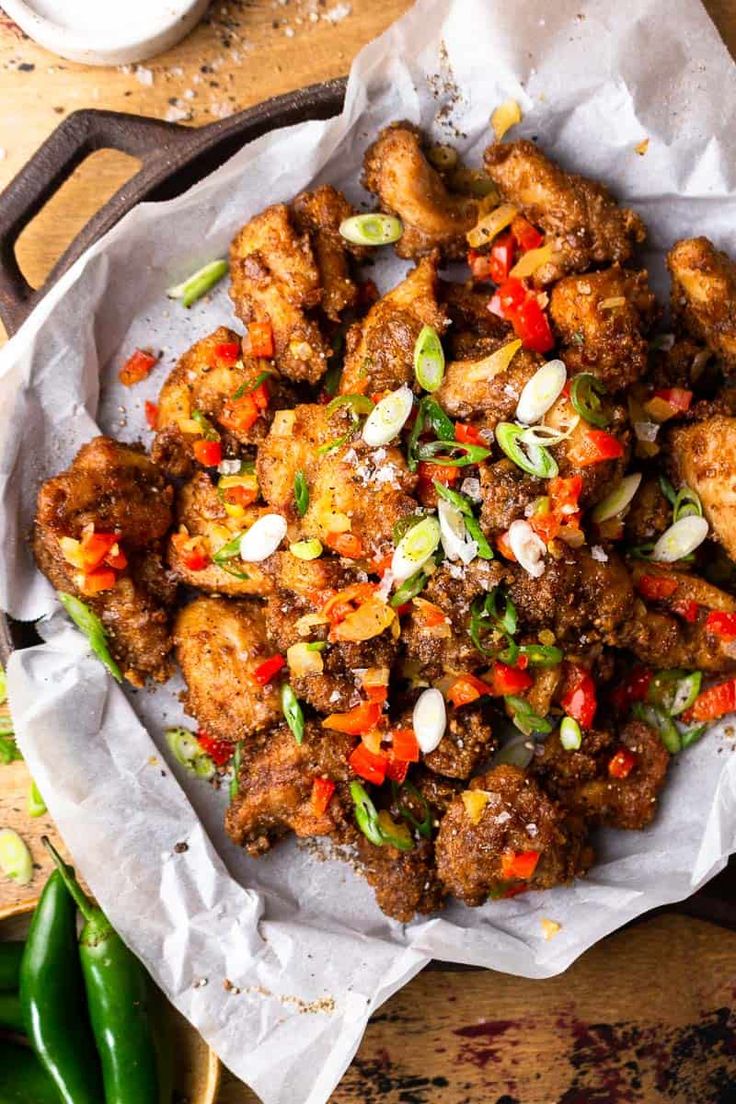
x=397 y=171
x=473 y=391
x=115 y=489
x=581 y=781
x=404 y=882
x=205 y=527
x=301 y=588
x=703 y=456
x=319 y=214
x=475 y=857
x=470 y=320
x=601 y=319
x=467 y=742
x=573 y=456
x=579 y=216
x=704 y=295
x=352 y=488
x=219 y=645
x=507 y=492
x=379 y=350
x=204 y=382
x=275 y=783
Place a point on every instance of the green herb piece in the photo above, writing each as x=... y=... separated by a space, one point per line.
x=366 y=815
x=429 y=359
x=662 y=723
x=570 y=735
x=400 y=793
x=463 y=504
x=237 y=762
x=586 y=391
x=414 y=585
x=35 y=804
x=306 y=549
x=199 y=283
x=359 y=404
x=15 y=858
x=485 y=552
x=9 y=750
x=93 y=629
x=228 y=551
x=446 y=453
x=301 y=493
x=524 y=717
x=459 y=501
x=186 y=750
x=687 y=504
x=246 y=388
x=533 y=459
x=292 y=711
x=208 y=430
x=371 y=229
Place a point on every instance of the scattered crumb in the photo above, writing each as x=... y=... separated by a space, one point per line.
x=177 y=112
x=550 y=928
x=144 y=76
x=337 y=13
x=642 y=147
x=200 y=983
x=180 y=848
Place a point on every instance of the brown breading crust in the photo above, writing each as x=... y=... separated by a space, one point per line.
x=404 y=882
x=581 y=782
x=203 y=382
x=649 y=514
x=115 y=488
x=397 y=171
x=472 y=392
x=579 y=216
x=704 y=295
x=518 y=817
x=319 y=214
x=468 y=742
x=275 y=783
x=601 y=319
x=703 y=456
x=470 y=319
x=379 y=350
x=219 y=644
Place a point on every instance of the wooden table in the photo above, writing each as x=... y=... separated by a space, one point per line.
x=645 y=1017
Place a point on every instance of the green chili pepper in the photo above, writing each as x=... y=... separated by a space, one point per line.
x=10 y=1014
x=246 y=388
x=429 y=359
x=93 y=629
x=661 y=723
x=359 y=404
x=188 y=753
x=691 y=735
x=317 y=646
x=571 y=736
x=542 y=655
x=441 y=452
x=524 y=717
x=674 y=691
x=199 y=283
x=208 y=430
x=237 y=762
x=533 y=459
x=414 y=585
x=423 y=826
x=292 y=711
x=436 y=419
x=366 y=816
x=228 y=551
x=10 y=956
x=52 y=998
x=485 y=552
x=117 y=988
x=301 y=493
x=667 y=490
x=586 y=391
x=23 y=1079
x=486 y=609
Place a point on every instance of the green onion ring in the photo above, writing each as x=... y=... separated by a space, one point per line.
x=414 y=585
x=585 y=395
x=440 y=452
x=371 y=229
x=662 y=723
x=524 y=717
x=687 y=504
x=366 y=816
x=359 y=404
x=532 y=459
x=429 y=359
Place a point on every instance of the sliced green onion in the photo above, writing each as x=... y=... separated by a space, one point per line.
x=35 y=804
x=436 y=419
x=691 y=735
x=423 y=826
x=533 y=459
x=682 y=538
x=93 y=629
x=674 y=691
x=541 y=392
x=414 y=585
x=546 y=435
x=306 y=549
x=524 y=717
x=9 y=750
x=228 y=551
x=359 y=404
x=619 y=498
x=186 y=750
x=486 y=617
x=443 y=452
x=237 y=762
x=208 y=430
x=292 y=711
x=335 y=444
x=395 y=835
x=415 y=548
x=459 y=501
x=464 y=506
x=15 y=858
x=586 y=391
x=317 y=646
x=404 y=524
x=667 y=490
x=366 y=816
x=485 y=552
x=246 y=388
x=542 y=655
x=371 y=229
x=661 y=723
x=388 y=417
x=570 y=735
x=429 y=359
x=301 y=493
x=199 y=283
x=687 y=504
x=6 y=725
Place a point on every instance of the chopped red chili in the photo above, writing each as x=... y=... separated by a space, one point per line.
x=622 y=763
x=656 y=587
x=722 y=624
x=151 y=411
x=322 y=791
x=518 y=864
x=368 y=764
x=677 y=397
x=713 y=703
x=219 y=751
x=509 y=680
x=270 y=667
x=137 y=367
x=578 y=697
x=207 y=453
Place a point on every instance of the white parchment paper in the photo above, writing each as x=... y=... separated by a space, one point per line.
x=306 y=953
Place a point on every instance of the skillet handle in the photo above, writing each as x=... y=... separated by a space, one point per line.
x=80 y=134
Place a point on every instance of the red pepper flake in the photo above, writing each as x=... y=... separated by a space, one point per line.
x=467 y=435
x=322 y=791
x=656 y=587
x=687 y=609
x=270 y=667
x=151 y=411
x=137 y=367
x=219 y=751
x=595 y=446
x=722 y=624
x=622 y=763
x=404 y=745
x=518 y=864
x=527 y=236
x=578 y=697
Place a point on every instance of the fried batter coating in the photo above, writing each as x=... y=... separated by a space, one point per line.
x=219 y=644
x=397 y=171
x=201 y=514
x=404 y=882
x=517 y=818
x=467 y=742
x=601 y=318
x=204 y=381
x=352 y=487
x=649 y=514
x=571 y=454
x=275 y=787
x=582 y=221
x=703 y=456
x=116 y=489
x=580 y=780
x=319 y=214
x=472 y=392
x=380 y=348
x=704 y=295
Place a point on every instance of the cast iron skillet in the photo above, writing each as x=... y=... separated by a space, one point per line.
x=172 y=159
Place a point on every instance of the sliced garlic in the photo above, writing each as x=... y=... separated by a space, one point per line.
x=429 y=720
x=388 y=417
x=682 y=538
x=263 y=538
x=528 y=547
x=541 y=392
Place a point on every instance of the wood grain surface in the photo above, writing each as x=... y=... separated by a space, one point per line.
x=645 y=1017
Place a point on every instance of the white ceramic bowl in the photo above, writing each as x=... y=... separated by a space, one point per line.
x=100 y=32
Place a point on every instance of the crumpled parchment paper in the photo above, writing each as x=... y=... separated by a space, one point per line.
x=279 y=962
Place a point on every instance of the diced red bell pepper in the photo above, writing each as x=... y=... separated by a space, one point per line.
x=527 y=236
x=345 y=544
x=207 y=453
x=443 y=473
x=96 y=547
x=219 y=751
x=480 y=265
x=578 y=697
x=532 y=325
x=621 y=763
x=404 y=745
x=467 y=435
x=265 y=671
x=151 y=412
x=508 y=298
x=368 y=764
x=595 y=446
x=656 y=587
x=240 y=414
x=687 y=609
x=713 y=703
x=357 y=721
x=116 y=560
x=227 y=351
x=677 y=397
x=467 y=688
x=509 y=680
x=240 y=495
x=565 y=494
x=637 y=686
x=722 y=624
x=501 y=258
x=92 y=582
x=396 y=769
x=546 y=525
x=260 y=339
x=518 y=864
x=322 y=791
x=137 y=367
